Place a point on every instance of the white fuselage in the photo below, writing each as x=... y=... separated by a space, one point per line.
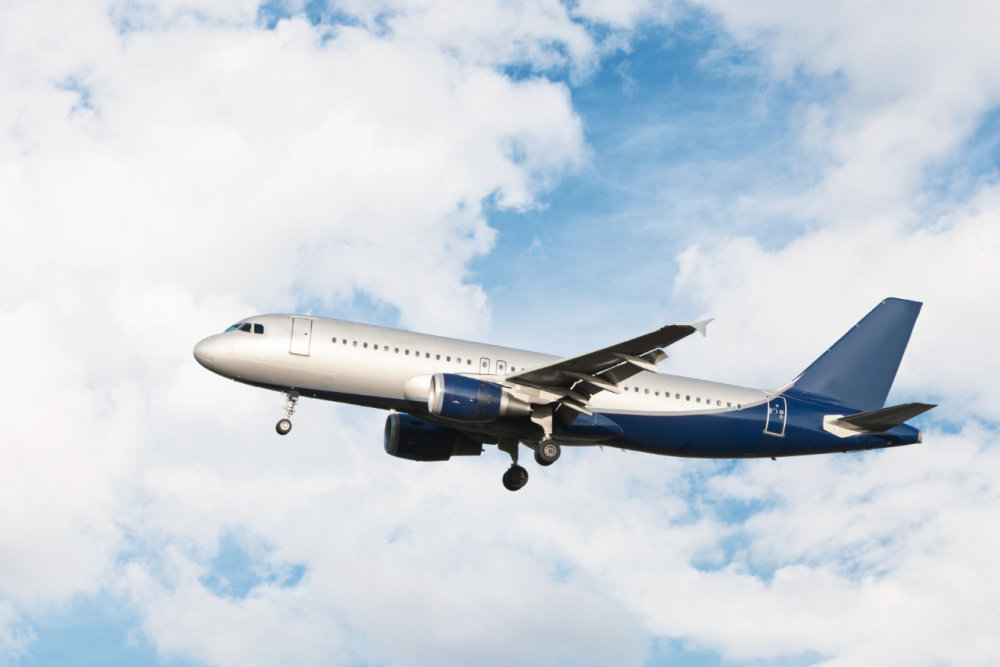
x=383 y=367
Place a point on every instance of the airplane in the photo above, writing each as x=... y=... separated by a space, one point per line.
x=451 y=397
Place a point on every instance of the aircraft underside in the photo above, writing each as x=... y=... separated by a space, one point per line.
x=782 y=426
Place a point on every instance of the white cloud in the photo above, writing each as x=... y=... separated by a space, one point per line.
x=781 y=308
x=910 y=83
x=291 y=160
x=879 y=558
x=15 y=636
x=162 y=182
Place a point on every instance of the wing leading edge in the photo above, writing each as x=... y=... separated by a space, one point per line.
x=572 y=381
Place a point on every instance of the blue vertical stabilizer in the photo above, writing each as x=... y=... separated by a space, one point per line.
x=858 y=370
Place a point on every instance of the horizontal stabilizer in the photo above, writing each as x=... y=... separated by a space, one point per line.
x=879 y=421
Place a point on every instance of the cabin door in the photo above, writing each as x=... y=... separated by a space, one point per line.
x=777 y=412
x=301 y=330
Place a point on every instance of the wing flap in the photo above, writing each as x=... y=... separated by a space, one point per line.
x=597 y=382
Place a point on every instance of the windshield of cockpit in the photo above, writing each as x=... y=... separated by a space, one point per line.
x=249 y=327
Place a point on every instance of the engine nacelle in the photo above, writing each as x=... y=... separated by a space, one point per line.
x=409 y=437
x=468 y=399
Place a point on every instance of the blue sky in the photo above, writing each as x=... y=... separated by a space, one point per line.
x=553 y=176
x=673 y=141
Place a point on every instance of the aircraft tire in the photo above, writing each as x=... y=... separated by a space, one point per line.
x=515 y=478
x=283 y=426
x=547 y=453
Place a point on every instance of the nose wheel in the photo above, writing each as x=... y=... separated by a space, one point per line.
x=285 y=425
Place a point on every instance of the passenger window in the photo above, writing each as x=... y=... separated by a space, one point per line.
x=687 y=397
x=344 y=341
x=438 y=357
x=637 y=390
x=647 y=390
x=407 y=351
x=397 y=351
x=374 y=346
x=718 y=403
x=458 y=360
x=728 y=404
x=468 y=362
x=355 y=343
x=334 y=339
x=678 y=396
x=657 y=393
x=258 y=328
x=448 y=358
x=428 y=355
x=698 y=399
x=365 y=345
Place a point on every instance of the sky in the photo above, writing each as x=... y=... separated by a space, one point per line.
x=549 y=175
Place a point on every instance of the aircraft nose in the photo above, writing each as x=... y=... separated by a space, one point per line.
x=206 y=351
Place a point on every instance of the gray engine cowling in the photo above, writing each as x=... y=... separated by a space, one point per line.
x=409 y=437
x=468 y=399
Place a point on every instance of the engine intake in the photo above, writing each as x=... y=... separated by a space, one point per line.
x=468 y=399
x=416 y=439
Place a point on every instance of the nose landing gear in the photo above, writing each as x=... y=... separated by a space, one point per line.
x=285 y=425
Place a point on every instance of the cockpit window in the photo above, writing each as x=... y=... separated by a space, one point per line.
x=247 y=326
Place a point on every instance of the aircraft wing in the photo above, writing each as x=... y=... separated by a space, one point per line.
x=572 y=381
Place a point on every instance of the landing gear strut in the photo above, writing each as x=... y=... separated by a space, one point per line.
x=285 y=425
x=516 y=476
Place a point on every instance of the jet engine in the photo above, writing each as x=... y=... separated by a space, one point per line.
x=468 y=399
x=416 y=439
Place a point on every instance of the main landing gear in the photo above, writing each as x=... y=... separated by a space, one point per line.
x=547 y=453
x=285 y=425
x=516 y=476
